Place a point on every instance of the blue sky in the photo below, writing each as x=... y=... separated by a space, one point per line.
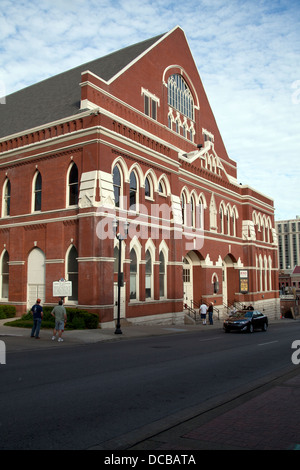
x=247 y=54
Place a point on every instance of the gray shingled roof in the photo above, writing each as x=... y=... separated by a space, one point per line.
x=59 y=96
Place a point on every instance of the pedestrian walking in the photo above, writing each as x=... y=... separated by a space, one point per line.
x=210 y=313
x=37 y=312
x=203 y=311
x=60 y=315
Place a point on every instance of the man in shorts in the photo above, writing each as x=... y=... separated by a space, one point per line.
x=60 y=315
x=202 y=311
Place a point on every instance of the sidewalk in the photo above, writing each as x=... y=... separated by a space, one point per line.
x=266 y=419
x=97 y=335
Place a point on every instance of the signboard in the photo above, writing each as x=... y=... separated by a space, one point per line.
x=62 y=288
x=244 y=281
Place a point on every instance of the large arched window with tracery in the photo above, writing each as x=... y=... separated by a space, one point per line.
x=180 y=96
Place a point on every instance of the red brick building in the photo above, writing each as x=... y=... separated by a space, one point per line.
x=130 y=136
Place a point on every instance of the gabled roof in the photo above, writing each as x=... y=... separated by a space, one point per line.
x=296 y=270
x=59 y=96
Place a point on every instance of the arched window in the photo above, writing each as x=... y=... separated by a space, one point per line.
x=37 y=192
x=162 y=275
x=72 y=275
x=179 y=96
x=201 y=208
x=148 y=187
x=133 y=191
x=117 y=185
x=162 y=187
x=133 y=274
x=193 y=212
x=4 y=276
x=116 y=259
x=36 y=276
x=234 y=217
x=260 y=273
x=73 y=185
x=183 y=209
x=148 y=280
x=6 y=198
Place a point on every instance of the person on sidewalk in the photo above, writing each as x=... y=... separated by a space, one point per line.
x=203 y=311
x=60 y=315
x=210 y=313
x=37 y=312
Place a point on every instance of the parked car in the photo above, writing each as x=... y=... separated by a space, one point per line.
x=246 y=320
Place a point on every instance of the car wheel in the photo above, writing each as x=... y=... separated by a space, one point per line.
x=265 y=326
x=250 y=329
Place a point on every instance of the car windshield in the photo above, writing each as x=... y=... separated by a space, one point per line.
x=242 y=314
x=248 y=314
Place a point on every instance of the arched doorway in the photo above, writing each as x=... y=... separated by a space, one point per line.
x=187 y=281
x=229 y=286
x=36 y=276
x=193 y=283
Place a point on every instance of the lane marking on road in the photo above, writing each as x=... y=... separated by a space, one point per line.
x=270 y=342
x=208 y=339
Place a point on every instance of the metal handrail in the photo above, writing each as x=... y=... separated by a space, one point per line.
x=191 y=310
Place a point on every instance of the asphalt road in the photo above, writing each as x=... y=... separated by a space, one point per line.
x=92 y=395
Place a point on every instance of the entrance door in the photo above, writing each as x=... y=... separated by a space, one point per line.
x=229 y=280
x=224 y=283
x=187 y=282
x=36 y=277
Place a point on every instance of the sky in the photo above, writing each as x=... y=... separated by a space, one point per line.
x=247 y=53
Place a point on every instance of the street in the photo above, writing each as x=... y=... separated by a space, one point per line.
x=91 y=396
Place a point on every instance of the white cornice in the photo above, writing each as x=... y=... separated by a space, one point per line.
x=31 y=130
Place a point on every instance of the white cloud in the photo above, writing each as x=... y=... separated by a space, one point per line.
x=247 y=54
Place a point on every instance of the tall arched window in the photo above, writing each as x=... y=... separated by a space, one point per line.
x=72 y=265
x=133 y=274
x=201 y=207
x=37 y=192
x=162 y=275
x=6 y=198
x=193 y=212
x=148 y=187
x=73 y=185
x=36 y=276
x=133 y=191
x=148 y=280
x=4 y=276
x=117 y=185
x=184 y=209
x=179 y=96
x=116 y=259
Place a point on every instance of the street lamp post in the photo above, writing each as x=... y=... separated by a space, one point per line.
x=120 y=237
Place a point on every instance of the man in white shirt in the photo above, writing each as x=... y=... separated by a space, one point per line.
x=203 y=311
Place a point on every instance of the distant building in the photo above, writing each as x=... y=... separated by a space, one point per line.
x=289 y=281
x=130 y=136
x=288 y=233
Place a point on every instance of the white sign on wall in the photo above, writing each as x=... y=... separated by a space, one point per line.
x=62 y=288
